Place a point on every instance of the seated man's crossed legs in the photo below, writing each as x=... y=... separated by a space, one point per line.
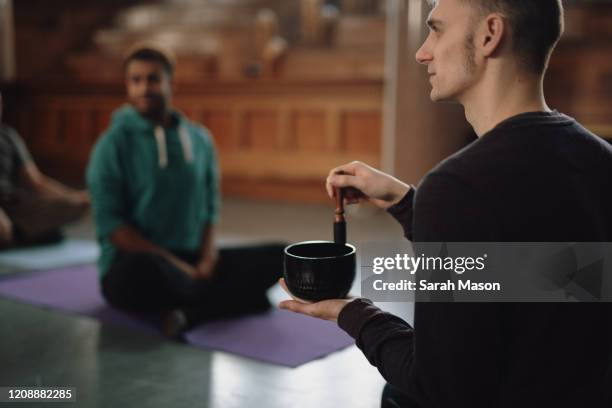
x=149 y=283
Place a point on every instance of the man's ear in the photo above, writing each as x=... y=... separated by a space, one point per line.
x=493 y=31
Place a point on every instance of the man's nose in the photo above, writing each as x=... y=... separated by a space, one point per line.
x=422 y=55
x=145 y=87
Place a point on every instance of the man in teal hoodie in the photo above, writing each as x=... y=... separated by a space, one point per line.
x=154 y=182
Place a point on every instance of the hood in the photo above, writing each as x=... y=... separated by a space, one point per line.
x=128 y=117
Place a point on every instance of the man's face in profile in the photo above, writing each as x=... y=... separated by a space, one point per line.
x=148 y=87
x=449 y=51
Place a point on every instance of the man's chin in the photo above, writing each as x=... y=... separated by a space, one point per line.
x=145 y=109
x=441 y=98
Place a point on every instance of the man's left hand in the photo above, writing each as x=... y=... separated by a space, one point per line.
x=6 y=228
x=81 y=199
x=325 y=309
x=205 y=268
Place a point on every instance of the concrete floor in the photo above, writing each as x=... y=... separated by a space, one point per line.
x=113 y=366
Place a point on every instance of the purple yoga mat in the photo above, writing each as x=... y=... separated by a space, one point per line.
x=277 y=337
x=75 y=289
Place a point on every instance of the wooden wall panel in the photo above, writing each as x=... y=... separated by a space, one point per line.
x=221 y=126
x=274 y=141
x=310 y=132
x=261 y=130
x=71 y=136
x=585 y=90
x=102 y=118
x=46 y=137
x=361 y=131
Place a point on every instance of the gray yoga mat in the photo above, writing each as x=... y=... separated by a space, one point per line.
x=69 y=252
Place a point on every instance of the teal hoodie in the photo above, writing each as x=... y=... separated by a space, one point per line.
x=162 y=182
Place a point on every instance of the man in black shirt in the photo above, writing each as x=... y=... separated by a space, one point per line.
x=533 y=175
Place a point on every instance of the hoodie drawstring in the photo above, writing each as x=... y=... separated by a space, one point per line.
x=162 y=150
x=186 y=144
x=162 y=153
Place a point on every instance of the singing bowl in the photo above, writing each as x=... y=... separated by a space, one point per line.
x=318 y=270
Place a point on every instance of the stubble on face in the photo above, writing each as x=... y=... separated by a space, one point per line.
x=148 y=88
x=454 y=60
x=461 y=75
x=470 y=54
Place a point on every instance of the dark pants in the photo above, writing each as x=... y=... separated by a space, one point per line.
x=394 y=398
x=148 y=283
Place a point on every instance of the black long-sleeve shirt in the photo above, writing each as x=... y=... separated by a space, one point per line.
x=536 y=177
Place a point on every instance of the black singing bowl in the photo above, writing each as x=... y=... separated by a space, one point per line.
x=318 y=270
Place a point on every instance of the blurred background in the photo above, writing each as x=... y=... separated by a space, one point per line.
x=289 y=88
